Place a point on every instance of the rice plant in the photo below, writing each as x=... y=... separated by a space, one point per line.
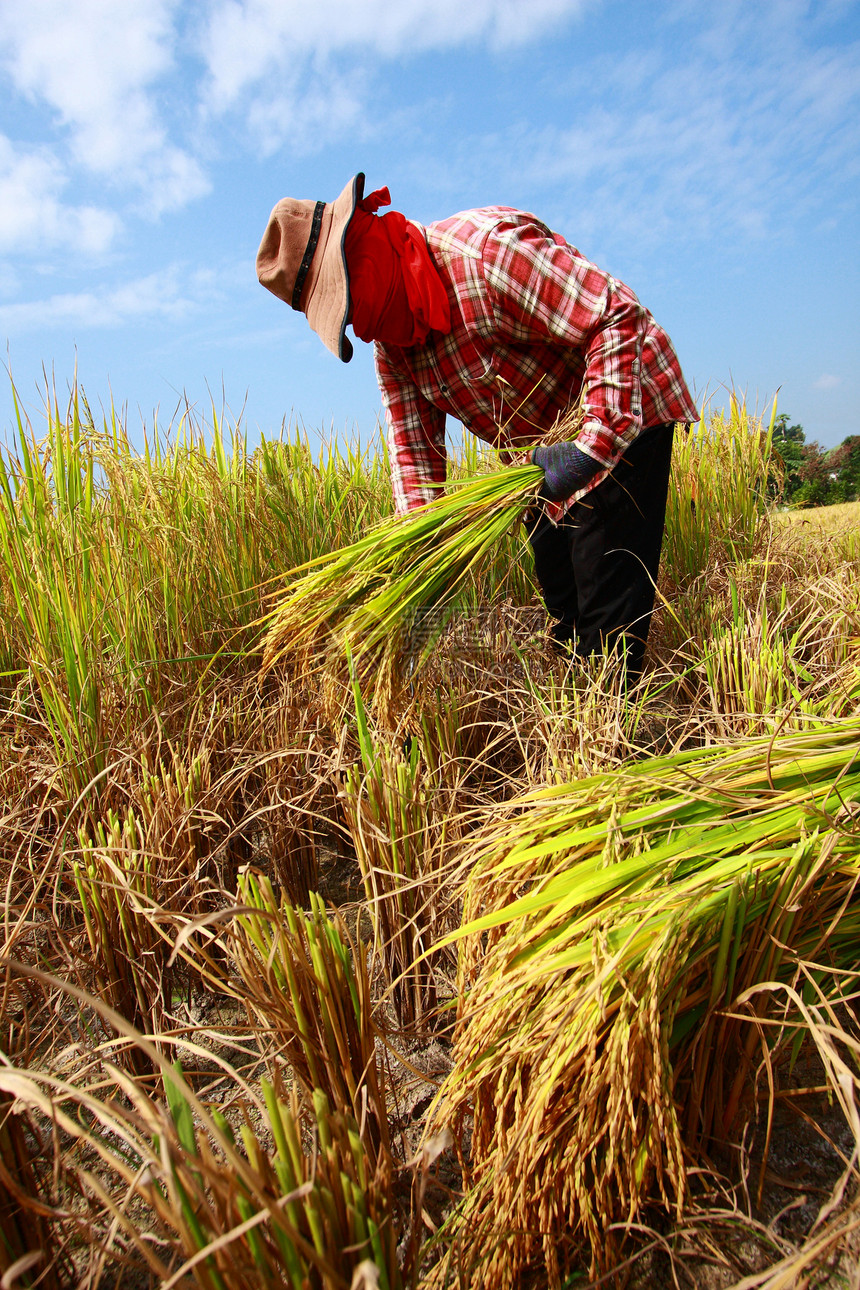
x=402 y=825
x=290 y=786
x=31 y=1229
x=719 y=499
x=195 y=1196
x=754 y=670
x=116 y=886
x=308 y=987
x=136 y=877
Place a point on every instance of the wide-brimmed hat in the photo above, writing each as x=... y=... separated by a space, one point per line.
x=301 y=260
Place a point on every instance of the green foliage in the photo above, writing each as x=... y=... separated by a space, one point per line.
x=844 y=462
x=811 y=475
x=788 y=448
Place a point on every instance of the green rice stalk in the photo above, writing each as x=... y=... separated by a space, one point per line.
x=719 y=494
x=402 y=825
x=307 y=985
x=373 y=597
x=136 y=877
x=128 y=956
x=592 y=983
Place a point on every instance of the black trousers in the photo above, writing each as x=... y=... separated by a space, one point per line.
x=598 y=567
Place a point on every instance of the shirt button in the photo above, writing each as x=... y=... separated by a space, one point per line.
x=443 y=387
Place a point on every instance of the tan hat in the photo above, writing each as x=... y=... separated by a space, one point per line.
x=301 y=260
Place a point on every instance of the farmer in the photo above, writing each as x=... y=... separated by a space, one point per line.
x=491 y=318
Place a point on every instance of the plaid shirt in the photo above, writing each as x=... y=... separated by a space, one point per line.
x=535 y=327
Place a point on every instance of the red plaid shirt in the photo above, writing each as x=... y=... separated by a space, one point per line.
x=535 y=326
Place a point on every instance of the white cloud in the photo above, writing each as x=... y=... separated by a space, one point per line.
x=10 y=281
x=306 y=115
x=827 y=381
x=33 y=217
x=248 y=44
x=244 y=38
x=714 y=147
x=95 y=63
x=158 y=295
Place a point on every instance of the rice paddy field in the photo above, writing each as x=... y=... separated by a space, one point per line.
x=418 y=956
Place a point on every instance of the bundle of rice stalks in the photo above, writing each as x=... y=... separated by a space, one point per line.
x=384 y=598
x=609 y=926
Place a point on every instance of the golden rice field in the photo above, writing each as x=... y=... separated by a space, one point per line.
x=497 y=976
x=843 y=517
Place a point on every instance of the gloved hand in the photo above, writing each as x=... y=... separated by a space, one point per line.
x=566 y=469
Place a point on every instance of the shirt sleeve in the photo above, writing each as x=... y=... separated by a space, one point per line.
x=544 y=291
x=416 y=436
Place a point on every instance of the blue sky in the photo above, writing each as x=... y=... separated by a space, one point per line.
x=704 y=151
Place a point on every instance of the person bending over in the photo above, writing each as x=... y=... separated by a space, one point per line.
x=492 y=318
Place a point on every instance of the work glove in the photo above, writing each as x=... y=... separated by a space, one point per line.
x=566 y=469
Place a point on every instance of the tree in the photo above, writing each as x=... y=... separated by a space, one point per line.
x=783 y=431
x=844 y=463
x=816 y=486
x=788 y=444
x=811 y=475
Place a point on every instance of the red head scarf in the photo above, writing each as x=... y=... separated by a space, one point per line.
x=396 y=292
